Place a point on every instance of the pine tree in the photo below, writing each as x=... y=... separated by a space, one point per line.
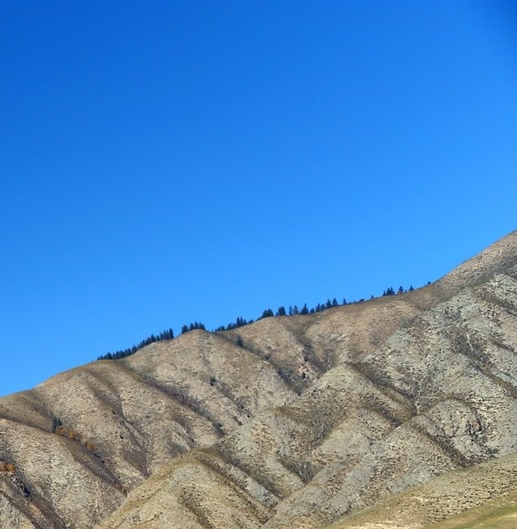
x=267 y=313
x=281 y=311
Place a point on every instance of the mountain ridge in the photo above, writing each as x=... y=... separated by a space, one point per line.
x=292 y=421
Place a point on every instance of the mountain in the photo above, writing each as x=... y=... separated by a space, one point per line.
x=394 y=412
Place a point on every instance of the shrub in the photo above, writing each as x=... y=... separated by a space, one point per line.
x=73 y=435
x=7 y=467
x=60 y=430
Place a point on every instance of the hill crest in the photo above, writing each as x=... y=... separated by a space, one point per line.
x=292 y=421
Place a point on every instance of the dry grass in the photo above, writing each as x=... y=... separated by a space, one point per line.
x=499 y=514
x=490 y=489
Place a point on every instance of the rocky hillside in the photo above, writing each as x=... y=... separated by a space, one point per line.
x=290 y=422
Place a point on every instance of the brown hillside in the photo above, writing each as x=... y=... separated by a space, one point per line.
x=288 y=422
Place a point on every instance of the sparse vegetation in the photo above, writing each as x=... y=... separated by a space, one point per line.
x=89 y=446
x=404 y=407
x=60 y=430
x=239 y=322
x=75 y=436
x=499 y=514
x=10 y=470
x=7 y=467
x=164 y=335
x=192 y=327
x=293 y=310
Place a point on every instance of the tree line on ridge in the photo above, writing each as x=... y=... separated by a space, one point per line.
x=292 y=310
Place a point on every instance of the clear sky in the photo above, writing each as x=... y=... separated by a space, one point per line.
x=169 y=162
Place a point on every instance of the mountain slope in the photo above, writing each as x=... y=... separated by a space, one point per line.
x=288 y=422
x=487 y=493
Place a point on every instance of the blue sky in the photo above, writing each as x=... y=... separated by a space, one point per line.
x=170 y=162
